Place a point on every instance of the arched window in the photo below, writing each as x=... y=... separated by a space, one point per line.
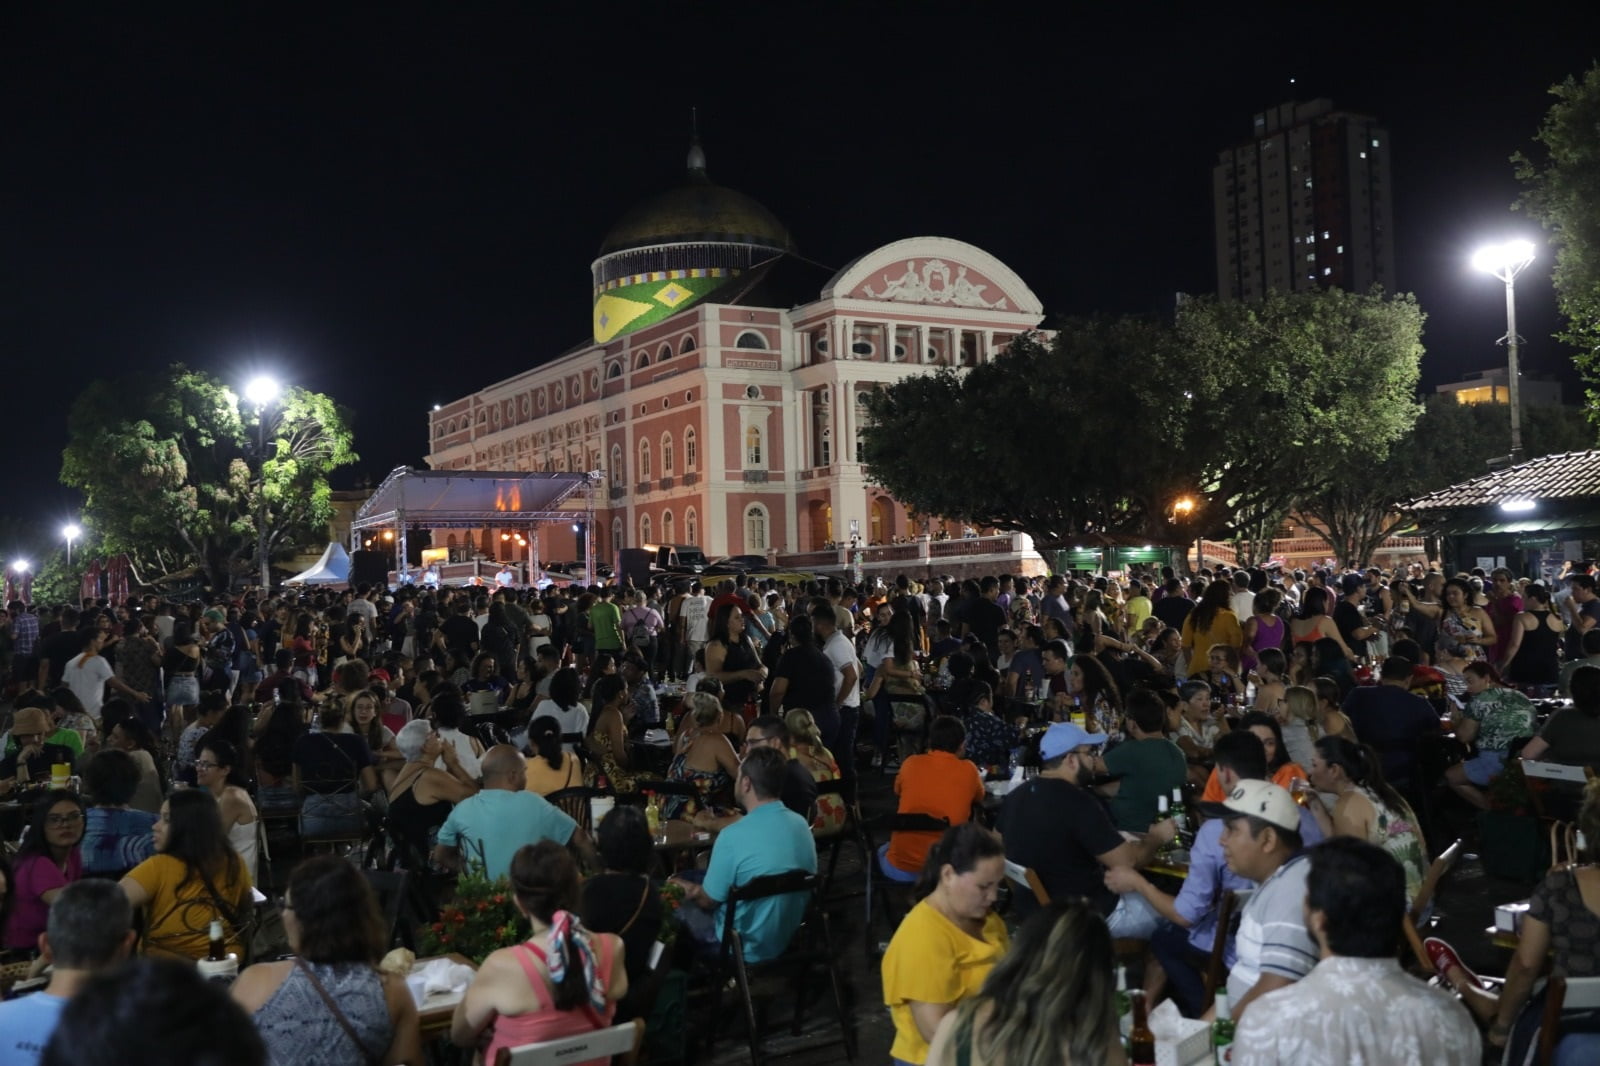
x=665 y=353
x=691 y=452
x=450 y=541
x=613 y=371
x=616 y=535
x=669 y=534
x=666 y=455
x=644 y=530
x=751 y=339
x=686 y=346
x=691 y=527
x=644 y=460
x=755 y=529
x=619 y=476
x=752 y=446
x=643 y=362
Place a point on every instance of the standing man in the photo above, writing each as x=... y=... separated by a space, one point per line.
x=984 y=617
x=24 y=642
x=841 y=652
x=1584 y=607
x=1504 y=606
x=696 y=614
x=88 y=674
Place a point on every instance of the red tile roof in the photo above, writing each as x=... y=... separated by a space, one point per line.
x=1563 y=476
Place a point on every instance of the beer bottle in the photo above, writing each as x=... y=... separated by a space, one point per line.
x=1141 y=1041
x=1124 y=1005
x=219 y=946
x=1222 y=1029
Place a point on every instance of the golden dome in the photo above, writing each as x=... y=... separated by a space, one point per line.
x=694 y=212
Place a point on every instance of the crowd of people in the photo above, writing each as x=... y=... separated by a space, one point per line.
x=1277 y=714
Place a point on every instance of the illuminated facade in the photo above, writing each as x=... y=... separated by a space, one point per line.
x=1494 y=386
x=721 y=410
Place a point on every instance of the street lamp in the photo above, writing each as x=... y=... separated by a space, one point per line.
x=71 y=532
x=1505 y=261
x=262 y=391
x=19 y=566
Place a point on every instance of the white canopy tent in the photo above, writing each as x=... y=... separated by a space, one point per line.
x=472 y=499
x=332 y=569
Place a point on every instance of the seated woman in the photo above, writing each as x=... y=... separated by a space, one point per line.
x=624 y=900
x=565 y=706
x=30 y=754
x=194 y=878
x=1281 y=770
x=1562 y=931
x=216 y=771
x=213 y=705
x=329 y=1005
x=367 y=723
x=1494 y=717
x=332 y=771
x=562 y=981
x=48 y=860
x=947 y=944
x=990 y=738
x=116 y=838
x=551 y=767
x=449 y=713
x=422 y=795
x=705 y=755
x=608 y=732
x=806 y=747
x=1059 y=968
x=485 y=678
x=1367 y=807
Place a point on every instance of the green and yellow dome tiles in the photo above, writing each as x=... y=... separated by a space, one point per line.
x=708 y=233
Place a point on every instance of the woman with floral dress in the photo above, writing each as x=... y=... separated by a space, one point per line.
x=1494 y=717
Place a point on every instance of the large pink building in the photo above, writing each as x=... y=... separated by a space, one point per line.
x=720 y=395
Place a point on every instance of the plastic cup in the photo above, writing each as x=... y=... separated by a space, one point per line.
x=222 y=971
x=599 y=807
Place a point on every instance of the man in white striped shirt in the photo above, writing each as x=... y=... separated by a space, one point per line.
x=1262 y=843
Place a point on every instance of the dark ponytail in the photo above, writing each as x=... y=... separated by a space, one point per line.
x=962 y=847
x=546 y=882
x=1362 y=766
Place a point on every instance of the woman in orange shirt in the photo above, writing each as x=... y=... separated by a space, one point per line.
x=1280 y=770
x=940 y=783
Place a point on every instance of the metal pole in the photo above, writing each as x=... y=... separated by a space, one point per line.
x=1514 y=390
x=261 y=497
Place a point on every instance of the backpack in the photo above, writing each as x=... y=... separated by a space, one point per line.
x=640 y=636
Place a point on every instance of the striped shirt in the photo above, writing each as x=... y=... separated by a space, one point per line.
x=1272 y=931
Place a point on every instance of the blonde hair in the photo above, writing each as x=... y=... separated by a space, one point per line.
x=705 y=708
x=803 y=727
x=1301 y=702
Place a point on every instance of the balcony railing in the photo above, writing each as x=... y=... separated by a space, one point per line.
x=618 y=492
x=755 y=477
x=691 y=479
x=664 y=484
x=641 y=488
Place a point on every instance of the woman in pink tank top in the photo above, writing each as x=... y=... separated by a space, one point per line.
x=562 y=981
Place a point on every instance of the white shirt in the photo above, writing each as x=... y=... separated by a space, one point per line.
x=1243 y=604
x=573 y=721
x=842 y=654
x=365 y=608
x=470 y=760
x=87 y=678
x=696 y=615
x=1272 y=932
x=1357 y=1012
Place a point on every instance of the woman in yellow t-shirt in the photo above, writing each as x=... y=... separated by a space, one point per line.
x=1211 y=622
x=949 y=942
x=194 y=878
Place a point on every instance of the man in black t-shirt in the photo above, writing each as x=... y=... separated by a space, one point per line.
x=1173 y=606
x=983 y=616
x=1055 y=826
x=1353 y=625
x=461 y=633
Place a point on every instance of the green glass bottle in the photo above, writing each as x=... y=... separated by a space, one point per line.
x=1222 y=1029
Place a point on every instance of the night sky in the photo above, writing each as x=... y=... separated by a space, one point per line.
x=398 y=205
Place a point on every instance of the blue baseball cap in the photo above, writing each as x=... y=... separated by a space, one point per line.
x=1063 y=737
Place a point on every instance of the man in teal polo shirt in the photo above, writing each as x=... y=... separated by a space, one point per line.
x=491 y=826
x=769 y=839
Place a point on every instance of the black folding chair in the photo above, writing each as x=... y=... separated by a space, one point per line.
x=810 y=946
x=851 y=832
x=879 y=884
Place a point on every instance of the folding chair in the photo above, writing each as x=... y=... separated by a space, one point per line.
x=1548 y=773
x=1024 y=878
x=1561 y=995
x=575 y=802
x=797 y=961
x=1217 y=964
x=621 y=1041
x=878 y=883
x=835 y=839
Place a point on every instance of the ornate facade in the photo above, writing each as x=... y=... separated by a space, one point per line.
x=720 y=410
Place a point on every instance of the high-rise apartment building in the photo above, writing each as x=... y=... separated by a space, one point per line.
x=1305 y=203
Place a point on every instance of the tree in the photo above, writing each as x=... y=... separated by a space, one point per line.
x=1105 y=425
x=1282 y=386
x=165 y=465
x=1356 y=510
x=1562 y=191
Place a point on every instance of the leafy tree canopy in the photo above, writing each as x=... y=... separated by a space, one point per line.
x=1562 y=191
x=1103 y=426
x=167 y=467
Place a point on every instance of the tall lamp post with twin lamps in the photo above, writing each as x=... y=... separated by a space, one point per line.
x=1505 y=261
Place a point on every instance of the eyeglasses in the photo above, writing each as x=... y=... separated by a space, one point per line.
x=206 y=765
x=63 y=819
